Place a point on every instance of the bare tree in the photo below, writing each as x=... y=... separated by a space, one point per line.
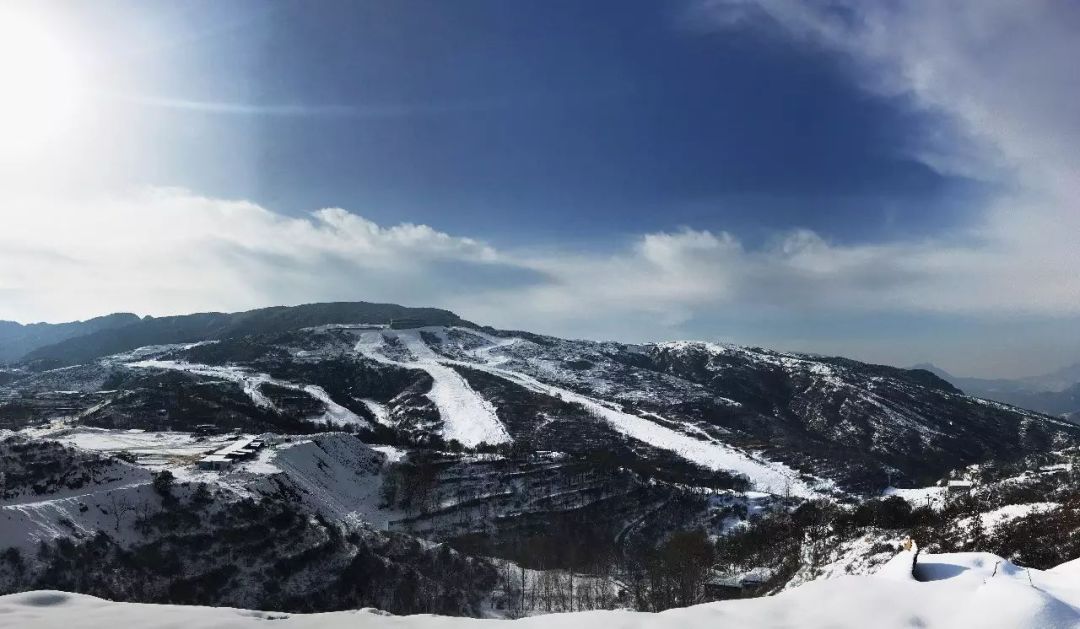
x=120 y=507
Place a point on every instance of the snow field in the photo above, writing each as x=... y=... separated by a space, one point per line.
x=957 y=591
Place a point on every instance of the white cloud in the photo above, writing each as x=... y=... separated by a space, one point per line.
x=165 y=250
x=1003 y=69
x=1003 y=73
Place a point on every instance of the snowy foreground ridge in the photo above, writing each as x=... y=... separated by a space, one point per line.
x=948 y=591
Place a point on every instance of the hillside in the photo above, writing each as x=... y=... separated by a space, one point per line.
x=780 y=422
x=17 y=339
x=74 y=343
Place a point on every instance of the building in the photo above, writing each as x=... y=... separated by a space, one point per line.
x=214 y=462
x=243 y=449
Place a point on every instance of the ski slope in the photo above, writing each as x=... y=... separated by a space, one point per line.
x=467 y=417
x=335 y=414
x=337 y=475
x=768 y=476
x=954 y=591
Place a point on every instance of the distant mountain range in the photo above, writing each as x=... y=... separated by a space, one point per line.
x=1054 y=393
x=17 y=340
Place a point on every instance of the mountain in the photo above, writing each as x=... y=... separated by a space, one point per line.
x=977 y=386
x=1055 y=381
x=1055 y=393
x=317 y=458
x=65 y=344
x=1064 y=403
x=778 y=421
x=17 y=340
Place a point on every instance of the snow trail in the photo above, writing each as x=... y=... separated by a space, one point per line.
x=768 y=476
x=466 y=416
x=250 y=381
x=379 y=410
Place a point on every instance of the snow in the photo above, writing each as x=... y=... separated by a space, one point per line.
x=764 y=475
x=262 y=464
x=950 y=591
x=856 y=556
x=337 y=475
x=919 y=496
x=147 y=351
x=1069 y=568
x=381 y=413
x=336 y=414
x=900 y=567
x=934 y=497
x=1003 y=515
x=393 y=454
x=151 y=448
x=467 y=417
x=27 y=520
x=825 y=374
x=471 y=417
x=250 y=382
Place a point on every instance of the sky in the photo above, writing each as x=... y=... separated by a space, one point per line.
x=895 y=182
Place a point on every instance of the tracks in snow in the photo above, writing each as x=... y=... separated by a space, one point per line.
x=465 y=403
x=250 y=381
x=765 y=475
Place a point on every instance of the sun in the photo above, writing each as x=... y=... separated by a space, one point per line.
x=41 y=86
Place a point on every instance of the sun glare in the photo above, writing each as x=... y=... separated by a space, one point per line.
x=40 y=86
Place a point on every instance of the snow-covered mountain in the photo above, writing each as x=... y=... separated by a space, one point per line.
x=397 y=455
x=776 y=422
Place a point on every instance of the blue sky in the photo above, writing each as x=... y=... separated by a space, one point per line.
x=531 y=122
x=882 y=180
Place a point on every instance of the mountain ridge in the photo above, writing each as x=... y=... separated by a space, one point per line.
x=197 y=327
x=1055 y=393
x=722 y=408
x=18 y=339
x=382 y=461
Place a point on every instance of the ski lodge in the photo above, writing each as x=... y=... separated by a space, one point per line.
x=242 y=449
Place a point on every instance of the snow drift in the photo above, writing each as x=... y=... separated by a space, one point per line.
x=948 y=591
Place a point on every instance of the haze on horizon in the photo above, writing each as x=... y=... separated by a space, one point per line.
x=895 y=182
